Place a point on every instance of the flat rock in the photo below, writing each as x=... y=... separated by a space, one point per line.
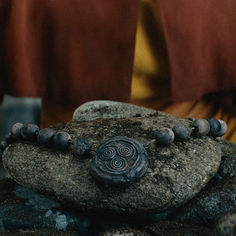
x=226 y=226
x=210 y=205
x=110 y=109
x=175 y=174
x=217 y=198
x=163 y=228
x=22 y=209
x=171 y=228
x=44 y=232
x=228 y=164
x=124 y=232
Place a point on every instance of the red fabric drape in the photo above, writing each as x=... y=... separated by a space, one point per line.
x=70 y=51
x=78 y=50
x=200 y=37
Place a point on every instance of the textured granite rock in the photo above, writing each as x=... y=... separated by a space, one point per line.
x=163 y=228
x=171 y=228
x=175 y=174
x=228 y=164
x=109 y=109
x=22 y=209
x=210 y=205
x=219 y=195
x=36 y=232
x=124 y=232
x=226 y=226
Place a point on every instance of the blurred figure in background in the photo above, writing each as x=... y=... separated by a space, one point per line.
x=75 y=51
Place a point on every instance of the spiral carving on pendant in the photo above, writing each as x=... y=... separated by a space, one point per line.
x=108 y=153
x=120 y=160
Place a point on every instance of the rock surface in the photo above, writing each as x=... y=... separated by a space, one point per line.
x=218 y=197
x=171 y=228
x=175 y=174
x=227 y=224
x=163 y=228
x=228 y=164
x=109 y=109
x=124 y=232
x=22 y=209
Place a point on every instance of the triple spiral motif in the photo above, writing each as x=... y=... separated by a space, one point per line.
x=120 y=160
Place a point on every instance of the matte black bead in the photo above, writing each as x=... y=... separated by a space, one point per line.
x=29 y=131
x=45 y=136
x=182 y=132
x=214 y=126
x=165 y=136
x=201 y=127
x=223 y=129
x=15 y=131
x=61 y=140
x=81 y=146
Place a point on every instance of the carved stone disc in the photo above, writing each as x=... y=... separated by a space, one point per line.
x=120 y=160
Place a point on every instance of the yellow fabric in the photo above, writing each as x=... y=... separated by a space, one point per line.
x=150 y=83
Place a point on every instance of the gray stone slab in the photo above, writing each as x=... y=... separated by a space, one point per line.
x=175 y=174
x=110 y=109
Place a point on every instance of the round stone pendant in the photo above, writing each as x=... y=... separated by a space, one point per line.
x=120 y=160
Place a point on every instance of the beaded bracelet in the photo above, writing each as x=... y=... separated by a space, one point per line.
x=119 y=160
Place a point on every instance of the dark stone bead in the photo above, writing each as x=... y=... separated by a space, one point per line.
x=15 y=131
x=220 y=128
x=61 y=140
x=29 y=131
x=81 y=146
x=165 y=136
x=223 y=128
x=45 y=136
x=214 y=126
x=120 y=160
x=182 y=132
x=201 y=127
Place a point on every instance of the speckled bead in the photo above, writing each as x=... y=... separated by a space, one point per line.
x=214 y=126
x=81 y=146
x=29 y=131
x=222 y=130
x=182 y=132
x=61 y=140
x=45 y=136
x=201 y=127
x=15 y=131
x=165 y=136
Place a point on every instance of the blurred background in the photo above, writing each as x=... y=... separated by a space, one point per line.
x=174 y=57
